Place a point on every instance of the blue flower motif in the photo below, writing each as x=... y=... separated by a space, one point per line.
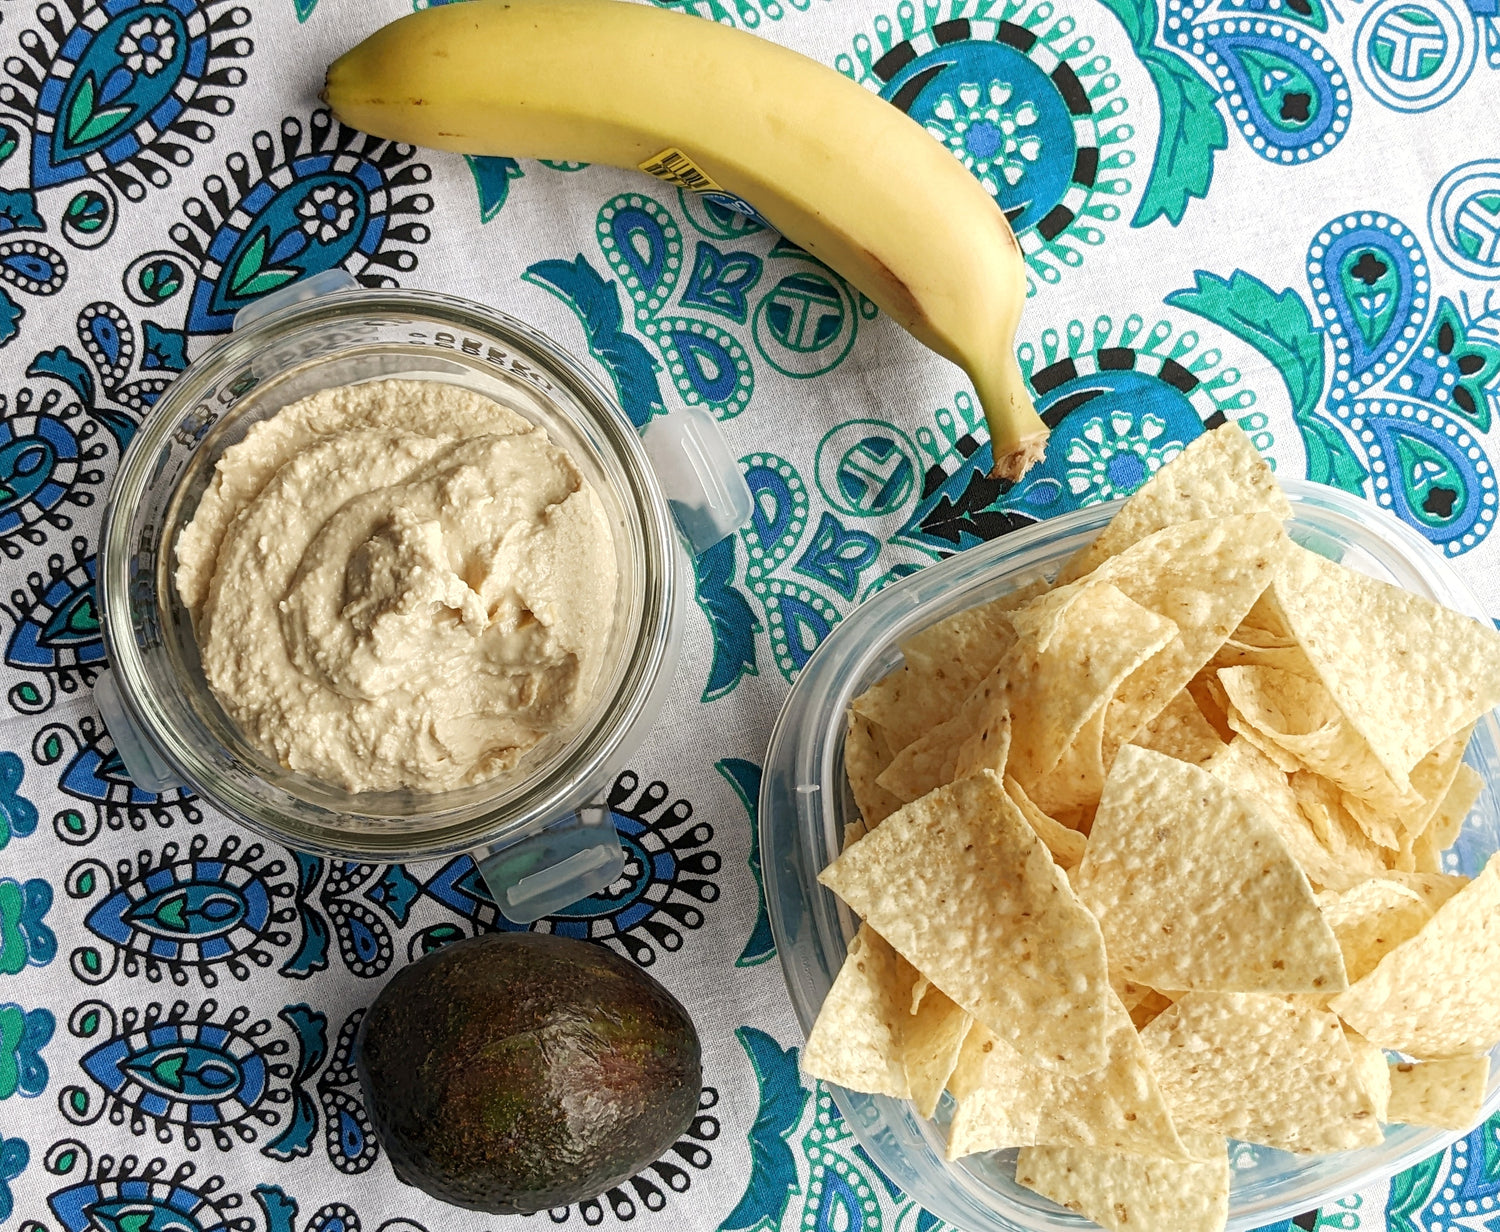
x=327 y=212
x=17 y=814
x=147 y=46
x=165 y=348
x=989 y=139
x=14 y=1156
x=1114 y=458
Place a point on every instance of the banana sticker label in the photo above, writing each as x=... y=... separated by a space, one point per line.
x=675 y=167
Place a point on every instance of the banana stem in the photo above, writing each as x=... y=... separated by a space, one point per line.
x=1018 y=437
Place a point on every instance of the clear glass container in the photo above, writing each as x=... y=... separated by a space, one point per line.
x=805 y=800
x=167 y=723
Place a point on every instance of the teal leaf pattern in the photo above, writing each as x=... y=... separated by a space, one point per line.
x=1280 y=328
x=1192 y=129
x=773 y=1170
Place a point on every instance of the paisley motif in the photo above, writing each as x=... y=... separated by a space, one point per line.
x=33 y=267
x=668 y=874
x=329 y=196
x=1375 y=277
x=131 y=1195
x=115 y=89
x=57 y=620
x=177 y=914
x=191 y=1074
x=46 y=451
x=1288 y=96
x=96 y=778
x=348 y=1137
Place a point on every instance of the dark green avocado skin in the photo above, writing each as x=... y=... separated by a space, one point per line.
x=516 y=1072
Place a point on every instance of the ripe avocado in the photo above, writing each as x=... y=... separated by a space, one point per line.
x=515 y=1072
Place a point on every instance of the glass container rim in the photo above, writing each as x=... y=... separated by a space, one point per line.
x=588 y=753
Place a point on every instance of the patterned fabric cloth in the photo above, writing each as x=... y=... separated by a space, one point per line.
x=1280 y=212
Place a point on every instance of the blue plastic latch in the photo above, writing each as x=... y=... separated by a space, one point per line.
x=699 y=474
x=326 y=282
x=541 y=873
x=147 y=769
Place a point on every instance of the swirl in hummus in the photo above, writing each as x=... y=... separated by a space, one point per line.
x=399 y=584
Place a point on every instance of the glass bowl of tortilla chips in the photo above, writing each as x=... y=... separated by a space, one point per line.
x=1135 y=867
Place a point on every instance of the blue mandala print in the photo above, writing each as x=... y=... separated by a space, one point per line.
x=1412 y=379
x=113 y=89
x=669 y=872
x=328 y=196
x=95 y=777
x=55 y=630
x=1025 y=103
x=1121 y=403
x=48 y=452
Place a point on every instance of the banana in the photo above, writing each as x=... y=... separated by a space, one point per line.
x=833 y=167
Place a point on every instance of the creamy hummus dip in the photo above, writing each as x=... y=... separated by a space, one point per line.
x=399 y=584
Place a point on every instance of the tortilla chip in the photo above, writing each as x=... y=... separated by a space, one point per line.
x=1070 y=791
x=1219 y=473
x=1371 y=919
x=1373 y=1070
x=969 y=643
x=1438 y=994
x=1298 y=716
x=865 y=758
x=1056 y=685
x=1435 y=888
x=928 y=762
x=1261 y=1069
x=1243 y=768
x=1205 y=689
x=1149 y=1008
x=1202 y=576
x=1065 y=845
x=853 y=832
x=1001 y=1101
x=1134 y=1193
x=934 y=1035
x=1405 y=671
x=960 y=885
x=1442 y=1094
x=858 y=1039
x=1194 y=888
x=1181 y=731
x=1447 y=821
x=1349 y=847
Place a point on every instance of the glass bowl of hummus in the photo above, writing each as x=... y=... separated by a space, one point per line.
x=388 y=575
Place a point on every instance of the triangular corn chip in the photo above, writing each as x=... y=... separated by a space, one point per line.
x=1373 y=1070
x=1350 y=848
x=865 y=757
x=1219 y=473
x=1405 y=671
x=1371 y=919
x=1002 y=1102
x=1298 y=715
x=1134 y=1193
x=858 y=1040
x=1065 y=845
x=1446 y=822
x=960 y=885
x=1442 y=1094
x=1243 y=768
x=1070 y=790
x=1202 y=576
x=934 y=1036
x=1182 y=732
x=1194 y=888
x=1401 y=1005
x=1261 y=1069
